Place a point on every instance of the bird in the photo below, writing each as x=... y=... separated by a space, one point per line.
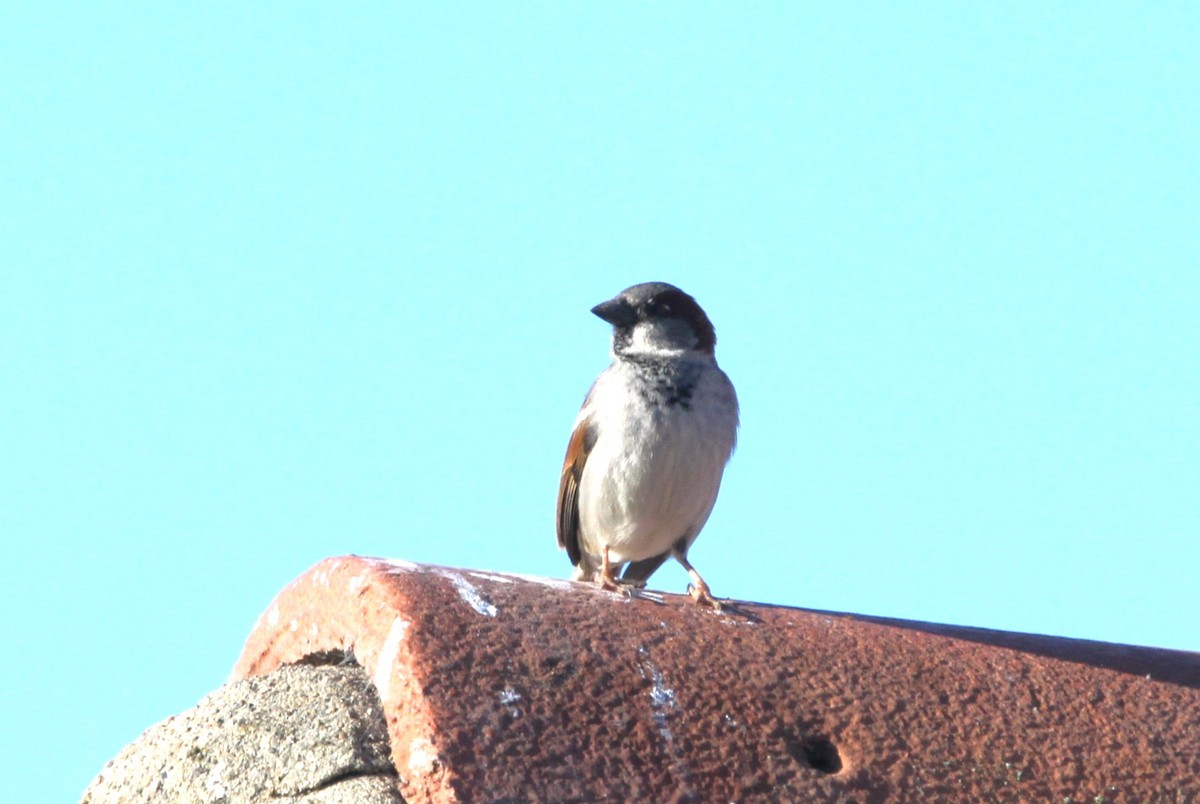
x=650 y=444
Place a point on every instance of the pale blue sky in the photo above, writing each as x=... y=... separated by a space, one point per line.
x=286 y=281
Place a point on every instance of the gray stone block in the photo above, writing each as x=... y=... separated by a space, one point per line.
x=302 y=734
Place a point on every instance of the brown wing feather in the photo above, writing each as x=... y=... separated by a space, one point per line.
x=578 y=448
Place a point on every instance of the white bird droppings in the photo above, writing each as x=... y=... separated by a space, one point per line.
x=470 y=594
x=553 y=583
x=398 y=565
x=388 y=654
x=489 y=576
x=509 y=698
x=422 y=756
x=663 y=705
x=662 y=697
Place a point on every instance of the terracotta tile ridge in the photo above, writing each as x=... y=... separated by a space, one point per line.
x=524 y=686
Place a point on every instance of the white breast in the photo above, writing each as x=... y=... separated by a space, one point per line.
x=653 y=475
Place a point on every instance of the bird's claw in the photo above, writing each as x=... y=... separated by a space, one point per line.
x=703 y=597
x=626 y=588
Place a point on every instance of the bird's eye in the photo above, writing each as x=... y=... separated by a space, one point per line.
x=657 y=308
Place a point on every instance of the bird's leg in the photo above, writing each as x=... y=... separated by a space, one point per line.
x=698 y=589
x=608 y=580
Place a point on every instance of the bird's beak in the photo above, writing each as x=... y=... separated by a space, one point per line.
x=616 y=312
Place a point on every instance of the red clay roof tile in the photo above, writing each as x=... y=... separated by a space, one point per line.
x=502 y=687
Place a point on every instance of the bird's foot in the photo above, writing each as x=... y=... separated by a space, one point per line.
x=611 y=584
x=607 y=579
x=700 y=593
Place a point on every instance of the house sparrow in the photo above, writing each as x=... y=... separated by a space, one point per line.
x=645 y=459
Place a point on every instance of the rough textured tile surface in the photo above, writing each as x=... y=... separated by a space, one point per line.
x=497 y=687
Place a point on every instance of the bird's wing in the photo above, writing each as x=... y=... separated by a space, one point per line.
x=582 y=440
